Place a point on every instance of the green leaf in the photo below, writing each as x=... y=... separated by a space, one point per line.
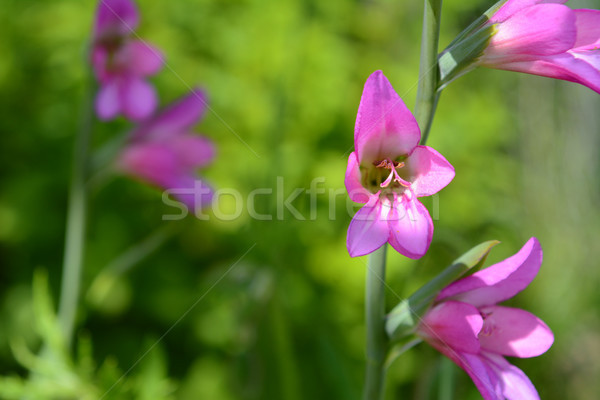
x=400 y=348
x=478 y=23
x=46 y=322
x=151 y=381
x=406 y=315
x=462 y=53
x=461 y=57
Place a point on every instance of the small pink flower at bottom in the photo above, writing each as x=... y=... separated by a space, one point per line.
x=548 y=39
x=121 y=64
x=466 y=325
x=388 y=171
x=164 y=152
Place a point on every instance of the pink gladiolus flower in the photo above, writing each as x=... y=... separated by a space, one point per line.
x=163 y=151
x=121 y=63
x=466 y=325
x=544 y=38
x=388 y=171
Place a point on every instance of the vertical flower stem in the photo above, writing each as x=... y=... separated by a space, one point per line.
x=76 y=222
x=446 y=380
x=427 y=95
x=377 y=343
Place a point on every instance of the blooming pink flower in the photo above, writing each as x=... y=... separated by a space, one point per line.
x=466 y=325
x=545 y=37
x=163 y=151
x=121 y=63
x=388 y=171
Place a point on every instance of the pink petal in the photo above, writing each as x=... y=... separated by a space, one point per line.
x=143 y=59
x=368 y=230
x=544 y=29
x=115 y=17
x=500 y=281
x=159 y=165
x=138 y=98
x=151 y=162
x=514 y=383
x=513 y=6
x=588 y=28
x=193 y=192
x=355 y=189
x=99 y=59
x=385 y=128
x=453 y=324
x=410 y=226
x=431 y=170
x=176 y=118
x=592 y=59
x=546 y=66
x=582 y=67
x=514 y=332
x=484 y=377
x=108 y=103
x=193 y=151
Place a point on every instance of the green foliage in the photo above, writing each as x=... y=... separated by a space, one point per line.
x=52 y=374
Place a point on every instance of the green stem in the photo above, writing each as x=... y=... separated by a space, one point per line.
x=76 y=223
x=427 y=95
x=377 y=342
x=427 y=128
x=446 y=380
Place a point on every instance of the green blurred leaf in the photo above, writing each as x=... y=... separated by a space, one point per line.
x=151 y=382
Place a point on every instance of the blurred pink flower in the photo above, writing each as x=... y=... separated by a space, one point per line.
x=544 y=38
x=388 y=171
x=466 y=325
x=163 y=151
x=121 y=63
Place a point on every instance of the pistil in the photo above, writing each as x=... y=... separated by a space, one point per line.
x=393 y=176
x=488 y=324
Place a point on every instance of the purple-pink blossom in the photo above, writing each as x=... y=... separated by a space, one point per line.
x=466 y=325
x=163 y=151
x=388 y=171
x=121 y=63
x=547 y=38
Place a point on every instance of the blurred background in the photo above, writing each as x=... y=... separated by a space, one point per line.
x=248 y=309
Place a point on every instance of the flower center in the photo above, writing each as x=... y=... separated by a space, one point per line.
x=393 y=176
x=489 y=326
x=111 y=41
x=386 y=176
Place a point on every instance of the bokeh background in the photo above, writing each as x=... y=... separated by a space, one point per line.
x=280 y=314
